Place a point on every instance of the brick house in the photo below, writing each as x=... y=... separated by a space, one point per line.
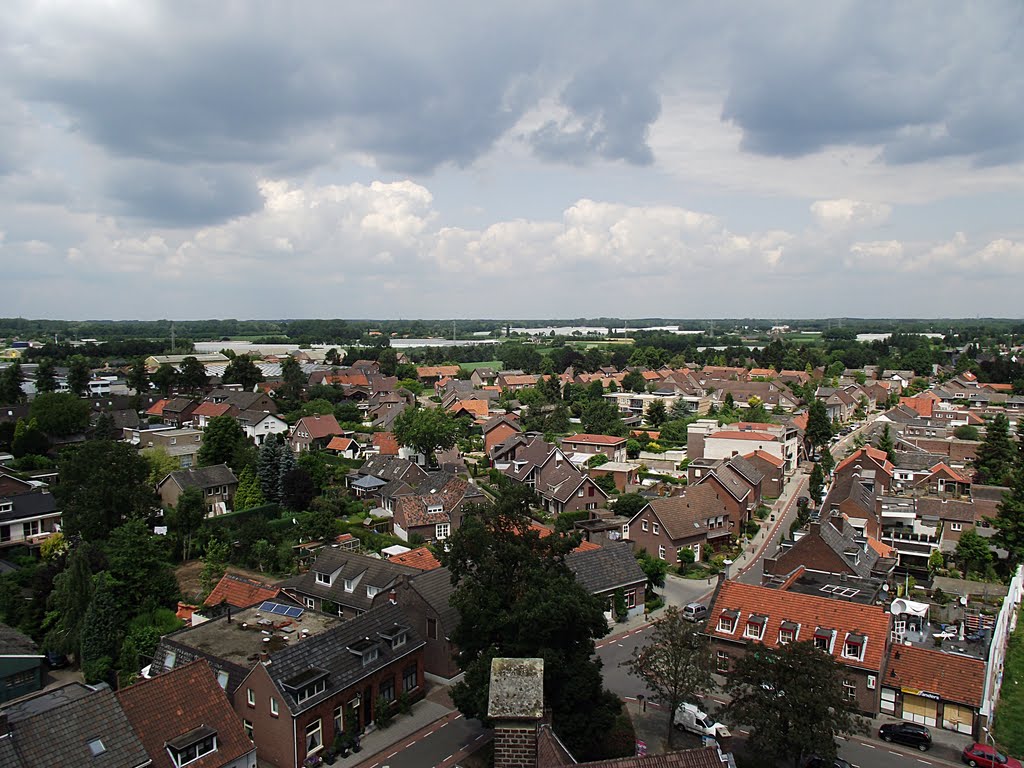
x=207 y=410
x=178 y=412
x=773 y=474
x=665 y=526
x=305 y=694
x=203 y=726
x=746 y=616
x=217 y=483
x=541 y=466
x=623 y=474
x=831 y=546
x=433 y=508
x=498 y=430
x=28 y=513
x=180 y=444
x=614 y=448
x=314 y=432
x=603 y=571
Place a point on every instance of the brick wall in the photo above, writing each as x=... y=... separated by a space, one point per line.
x=515 y=745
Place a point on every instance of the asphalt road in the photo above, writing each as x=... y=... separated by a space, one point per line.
x=441 y=747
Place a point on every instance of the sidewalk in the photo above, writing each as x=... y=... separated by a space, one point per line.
x=424 y=717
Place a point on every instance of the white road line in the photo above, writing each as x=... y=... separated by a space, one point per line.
x=449 y=757
x=898 y=754
x=391 y=755
x=869 y=746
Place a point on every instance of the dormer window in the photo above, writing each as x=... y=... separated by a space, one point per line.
x=323 y=578
x=727 y=621
x=191 y=746
x=823 y=638
x=788 y=632
x=350 y=585
x=853 y=648
x=367 y=649
x=371 y=591
x=754 y=628
x=396 y=635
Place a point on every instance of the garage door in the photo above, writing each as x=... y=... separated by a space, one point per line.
x=958 y=718
x=918 y=709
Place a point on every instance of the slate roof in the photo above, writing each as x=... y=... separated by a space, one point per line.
x=951 y=676
x=917 y=462
x=36 y=504
x=370 y=572
x=329 y=652
x=948 y=509
x=61 y=735
x=391 y=468
x=171 y=705
x=14 y=643
x=686 y=516
x=240 y=592
x=731 y=480
x=421 y=558
x=435 y=587
x=202 y=477
x=844 y=542
x=809 y=611
x=606 y=568
x=745 y=469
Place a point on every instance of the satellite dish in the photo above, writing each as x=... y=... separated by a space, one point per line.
x=963 y=600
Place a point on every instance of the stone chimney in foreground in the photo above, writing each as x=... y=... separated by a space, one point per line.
x=516 y=706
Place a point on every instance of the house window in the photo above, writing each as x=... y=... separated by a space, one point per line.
x=580 y=492
x=371 y=592
x=590 y=490
x=386 y=689
x=661 y=552
x=655 y=528
x=247 y=725
x=370 y=655
x=823 y=638
x=849 y=690
x=5 y=532
x=312 y=690
x=398 y=640
x=643 y=525
x=853 y=648
x=314 y=737
x=222 y=679
x=625 y=531
x=442 y=531
x=410 y=678
x=956 y=526
x=250 y=697
x=31 y=528
x=785 y=636
x=722 y=661
x=350 y=585
x=273 y=707
x=169 y=659
x=189 y=753
x=727 y=623
x=754 y=629
x=339 y=719
x=431 y=629
x=323 y=578
x=631 y=598
x=309 y=602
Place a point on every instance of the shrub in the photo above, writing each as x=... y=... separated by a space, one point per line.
x=384 y=712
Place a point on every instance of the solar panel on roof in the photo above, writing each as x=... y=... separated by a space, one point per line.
x=281 y=610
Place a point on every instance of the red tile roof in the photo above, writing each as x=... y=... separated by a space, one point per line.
x=651 y=433
x=878 y=456
x=949 y=472
x=240 y=592
x=421 y=558
x=594 y=439
x=775 y=461
x=800 y=420
x=157 y=408
x=179 y=701
x=207 y=408
x=479 y=408
x=432 y=371
x=320 y=426
x=923 y=405
x=951 y=676
x=810 y=612
x=385 y=443
x=737 y=435
x=585 y=546
x=340 y=443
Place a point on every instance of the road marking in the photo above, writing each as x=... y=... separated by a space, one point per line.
x=898 y=754
x=449 y=757
x=869 y=746
x=391 y=755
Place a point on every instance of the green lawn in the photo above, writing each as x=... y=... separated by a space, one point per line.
x=1009 y=731
x=496 y=365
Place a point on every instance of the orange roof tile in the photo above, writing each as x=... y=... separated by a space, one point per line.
x=340 y=443
x=651 y=433
x=922 y=405
x=883 y=550
x=421 y=558
x=385 y=443
x=206 y=408
x=157 y=408
x=810 y=612
x=240 y=592
x=949 y=472
x=775 y=461
x=880 y=457
x=800 y=420
x=479 y=408
x=319 y=426
x=951 y=676
x=999 y=387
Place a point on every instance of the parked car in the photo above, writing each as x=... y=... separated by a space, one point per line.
x=821 y=762
x=695 y=612
x=55 y=660
x=911 y=734
x=987 y=757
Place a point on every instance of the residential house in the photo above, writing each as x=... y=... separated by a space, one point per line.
x=244 y=401
x=510 y=382
x=431 y=373
x=585 y=446
x=773 y=474
x=934 y=688
x=433 y=508
x=385 y=444
x=706 y=439
x=623 y=474
x=181 y=445
x=610 y=570
x=207 y=410
x=183 y=716
x=666 y=526
x=71 y=725
x=499 y=429
x=562 y=487
x=832 y=547
x=21 y=664
x=314 y=432
x=425 y=598
x=744 y=493
x=343 y=583
x=217 y=483
x=483 y=377
x=637 y=403
x=746 y=616
x=317 y=687
x=345 y=447
x=421 y=558
x=177 y=412
x=28 y=512
x=239 y=592
x=259 y=425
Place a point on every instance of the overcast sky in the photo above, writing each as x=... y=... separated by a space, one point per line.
x=523 y=159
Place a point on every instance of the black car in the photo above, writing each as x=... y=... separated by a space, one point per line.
x=822 y=762
x=911 y=734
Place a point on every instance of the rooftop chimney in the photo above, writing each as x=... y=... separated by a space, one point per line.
x=516 y=706
x=393 y=597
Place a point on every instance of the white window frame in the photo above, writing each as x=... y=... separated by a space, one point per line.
x=722 y=661
x=247 y=725
x=314 y=730
x=655 y=528
x=442 y=531
x=309 y=602
x=643 y=526
x=661 y=552
x=350 y=585
x=726 y=625
x=956 y=526
x=625 y=531
x=324 y=578
x=858 y=649
x=786 y=636
x=758 y=632
x=250 y=697
x=274 y=711
x=849 y=689
x=339 y=719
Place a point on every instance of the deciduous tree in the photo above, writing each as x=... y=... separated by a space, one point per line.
x=243 y=370
x=79 y=375
x=11 y=378
x=165 y=378
x=60 y=413
x=819 y=428
x=792 y=700
x=973 y=553
x=426 y=431
x=221 y=439
x=185 y=518
x=46 y=376
x=656 y=414
x=675 y=663
x=601 y=417
x=192 y=376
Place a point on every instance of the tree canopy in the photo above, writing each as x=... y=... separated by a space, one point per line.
x=792 y=700
x=221 y=439
x=60 y=413
x=996 y=456
x=601 y=417
x=819 y=428
x=242 y=370
x=426 y=431
x=517 y=598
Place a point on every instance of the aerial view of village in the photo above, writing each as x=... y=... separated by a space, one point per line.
x=511 y=385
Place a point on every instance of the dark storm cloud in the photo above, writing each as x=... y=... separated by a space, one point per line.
x=610 y=115
x=922 y=80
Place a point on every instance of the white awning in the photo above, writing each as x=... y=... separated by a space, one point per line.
x=902 y=606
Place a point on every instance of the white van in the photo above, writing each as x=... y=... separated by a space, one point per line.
x=695 y=612
x=690 y=718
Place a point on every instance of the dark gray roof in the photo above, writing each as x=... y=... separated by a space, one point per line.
x=203 y=477
x=177 y=644
x=435 y=587
x=62 y=735
x=747 y=470
x=14 y=643
x=391 y=468
x=369 y=571
x=37 y=504
x=988 y=492
x=330 y=652
x=602 y=570
x=917 y=462
x=859 y=558
x=368 y=483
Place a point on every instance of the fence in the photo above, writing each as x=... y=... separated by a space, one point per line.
x=1006 y=623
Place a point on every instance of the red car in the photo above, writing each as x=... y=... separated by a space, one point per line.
x=987 y=757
